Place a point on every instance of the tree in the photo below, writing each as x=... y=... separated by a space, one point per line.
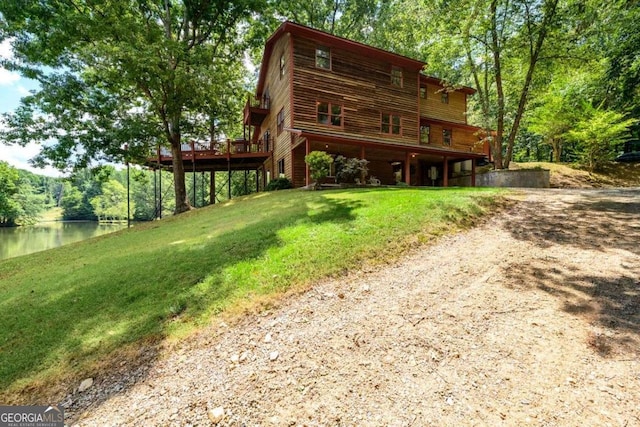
x=111 y=204
x=600 y=134
x=135 y=72
x=319 y=163
x=19 y=202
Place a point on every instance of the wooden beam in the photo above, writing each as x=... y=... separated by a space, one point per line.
x=445 y=174
x=306 y=166
x=473 y=172
x=362 y=157
x=407 y=168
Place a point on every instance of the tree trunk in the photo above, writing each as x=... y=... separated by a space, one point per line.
x=557 y=150
x=182 y=205
x=496 y=48
x=550 y=13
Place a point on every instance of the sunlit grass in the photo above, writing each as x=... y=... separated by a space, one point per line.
x=65 y=310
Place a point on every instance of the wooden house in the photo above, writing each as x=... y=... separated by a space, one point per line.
x=317 y=91
x=321 y=92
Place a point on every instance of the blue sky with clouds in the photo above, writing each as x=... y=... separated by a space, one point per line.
x=12 y=88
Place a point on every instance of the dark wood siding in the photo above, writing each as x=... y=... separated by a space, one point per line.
x=462 y=139
x=280 y=95
x=362 y=85
x=433 y=107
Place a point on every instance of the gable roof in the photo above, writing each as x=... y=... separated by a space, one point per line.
x=330 y=41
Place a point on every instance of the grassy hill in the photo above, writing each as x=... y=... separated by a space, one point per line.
x=72 y=311
x=566 y=175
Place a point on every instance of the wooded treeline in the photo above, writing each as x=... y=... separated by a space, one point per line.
x=556 y=79
x=101 y=194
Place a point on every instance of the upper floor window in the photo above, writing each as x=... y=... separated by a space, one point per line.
x=280 y=120
x=423 y=92
x=396 y=76
x=282 y=65
x=329 y=114
x=425 y=133
x=444 y=97
x=281 y=170
x=446 y=136
x=390 y=124
x=323 y=57
x=266 y=141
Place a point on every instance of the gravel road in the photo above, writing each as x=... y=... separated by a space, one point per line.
x=532 y=318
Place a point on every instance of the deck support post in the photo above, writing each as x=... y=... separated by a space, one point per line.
x=307 y=177
x=202 y=181
x=445 y=173
x=473 y=172
x=362 y=155
x=257 y=180
x=155 y=195
x=229 y=180
x=212 y=188
x=246 y=184
x=160 y=193
x=407 y=168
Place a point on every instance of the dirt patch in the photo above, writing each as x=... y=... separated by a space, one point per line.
x=532 y=318
x=566 y=175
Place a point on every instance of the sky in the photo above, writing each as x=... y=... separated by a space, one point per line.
x=12 y=88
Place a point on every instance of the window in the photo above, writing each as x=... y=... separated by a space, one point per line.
x=329 y=114
x=323 y=57
x=396 y=76
x=280 y=120
x=281 y=168
x=282 y=65
x=446 y=137
x=266 y=141
x=444 y=97
x=390 y=124
x=424 y=134
x=423 y=92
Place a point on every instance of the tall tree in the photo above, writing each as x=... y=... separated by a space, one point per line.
x=127 y=71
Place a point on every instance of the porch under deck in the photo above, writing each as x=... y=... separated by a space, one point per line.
x=417 y=165
x=229 y=156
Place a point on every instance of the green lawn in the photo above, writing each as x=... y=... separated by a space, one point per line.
x=63 y=311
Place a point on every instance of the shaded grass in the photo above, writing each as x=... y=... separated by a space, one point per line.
x=65 y=310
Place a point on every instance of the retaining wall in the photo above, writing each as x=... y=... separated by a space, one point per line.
x=526 y=178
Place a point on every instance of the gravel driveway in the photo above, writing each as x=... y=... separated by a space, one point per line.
x=532 y=318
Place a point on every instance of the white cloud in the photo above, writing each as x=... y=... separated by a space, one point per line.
x=19 y=157
x=8 y=77
x=5 y=49
x=23 y=90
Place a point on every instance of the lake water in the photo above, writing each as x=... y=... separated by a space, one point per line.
x=16 y=241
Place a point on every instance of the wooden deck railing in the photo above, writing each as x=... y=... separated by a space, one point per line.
x=195 y=150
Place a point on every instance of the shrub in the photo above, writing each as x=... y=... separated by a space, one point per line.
x=279 y=184
x=319 y=164
x=347 y=169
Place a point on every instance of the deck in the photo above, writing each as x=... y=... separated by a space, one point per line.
x=219 y=156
